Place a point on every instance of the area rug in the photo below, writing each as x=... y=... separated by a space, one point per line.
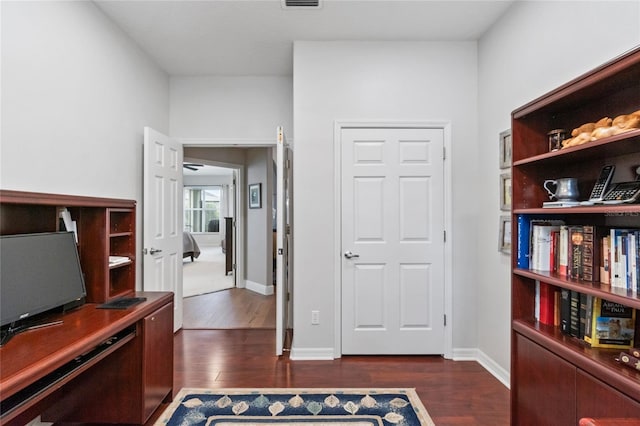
x=296 y=407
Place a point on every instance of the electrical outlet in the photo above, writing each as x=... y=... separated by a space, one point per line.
x=315 y=317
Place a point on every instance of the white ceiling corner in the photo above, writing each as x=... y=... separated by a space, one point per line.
x=255 y=37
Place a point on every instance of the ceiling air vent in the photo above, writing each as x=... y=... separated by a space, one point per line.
x=301 y=4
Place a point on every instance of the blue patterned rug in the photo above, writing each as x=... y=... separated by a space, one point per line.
x=296 y=407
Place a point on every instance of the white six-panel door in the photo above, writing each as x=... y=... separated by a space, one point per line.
x=392 y=226
x=162 y=217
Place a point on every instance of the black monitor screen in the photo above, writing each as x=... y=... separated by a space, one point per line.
x=38 y=272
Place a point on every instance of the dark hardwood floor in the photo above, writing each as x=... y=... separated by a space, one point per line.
x=454 y=393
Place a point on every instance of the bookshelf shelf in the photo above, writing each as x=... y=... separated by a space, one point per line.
x=631 y=210
x=598 y=289
x=553 y=370
x=624 y=143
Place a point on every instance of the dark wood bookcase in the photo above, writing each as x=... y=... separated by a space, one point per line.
x=106 y=227
x=555 y=378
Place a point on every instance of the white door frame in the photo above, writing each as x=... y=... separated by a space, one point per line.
x=448 y=253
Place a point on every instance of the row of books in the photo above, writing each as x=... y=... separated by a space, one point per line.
x=585 y=252
x=598 y=322
x=621 y=259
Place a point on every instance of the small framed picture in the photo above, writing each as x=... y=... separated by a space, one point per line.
x=255 y=196
x=504 y=240
x=505 y=191
x=505 y=149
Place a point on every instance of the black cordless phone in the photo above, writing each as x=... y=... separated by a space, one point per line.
x=600 y=187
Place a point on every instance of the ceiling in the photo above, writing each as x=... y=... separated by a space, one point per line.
x=255 y=37
x=205 y=170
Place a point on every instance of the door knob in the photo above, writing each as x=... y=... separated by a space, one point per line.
x=151 y=251
x=350 y=255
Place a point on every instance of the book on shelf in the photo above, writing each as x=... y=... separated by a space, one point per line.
x=556 y=308
x=590 y=254
x=605 y=256
x=547 y=303
x=574 y=314
x=612 y=325
x=576 y=239
x=563 y=251
x=565 y=310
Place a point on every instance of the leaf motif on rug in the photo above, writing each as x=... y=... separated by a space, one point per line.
x=296 y=401
x=399 y=403
x=224 y=402
x=261 y=401
x=240 y=408
x=193 y=402
x=332 y=401
x=351 y=407
x=276 y=408
x=368 y=402
x=314 y=407
x=194 y=417
x=394 y=418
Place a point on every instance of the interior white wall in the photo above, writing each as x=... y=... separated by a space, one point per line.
x=76 y=94
x=535 y=47
x=259 y=232
x=395 y=81
x=231 y=107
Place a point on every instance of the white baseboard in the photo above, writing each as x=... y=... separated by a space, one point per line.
x=265 y=290
x=473 y=354
x=311 y=354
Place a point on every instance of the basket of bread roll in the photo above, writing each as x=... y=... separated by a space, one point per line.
x=602 y=128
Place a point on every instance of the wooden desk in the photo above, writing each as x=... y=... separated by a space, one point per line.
x=96 y=377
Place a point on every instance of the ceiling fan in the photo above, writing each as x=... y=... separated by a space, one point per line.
x=192 y=166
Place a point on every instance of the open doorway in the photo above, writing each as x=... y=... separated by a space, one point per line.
x=250 y=301
x=208 y=207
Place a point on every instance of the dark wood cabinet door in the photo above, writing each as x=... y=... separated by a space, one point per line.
x=597 y=399
x=545 y=392
x=157 y=358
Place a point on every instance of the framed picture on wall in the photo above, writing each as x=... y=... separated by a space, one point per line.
x=504 y=240
x=505 y=191
x=505 y=149
x=255 y=196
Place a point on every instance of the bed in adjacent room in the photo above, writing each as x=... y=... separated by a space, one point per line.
x=189 y=246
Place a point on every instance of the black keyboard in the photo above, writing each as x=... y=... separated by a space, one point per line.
x=122 y=303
